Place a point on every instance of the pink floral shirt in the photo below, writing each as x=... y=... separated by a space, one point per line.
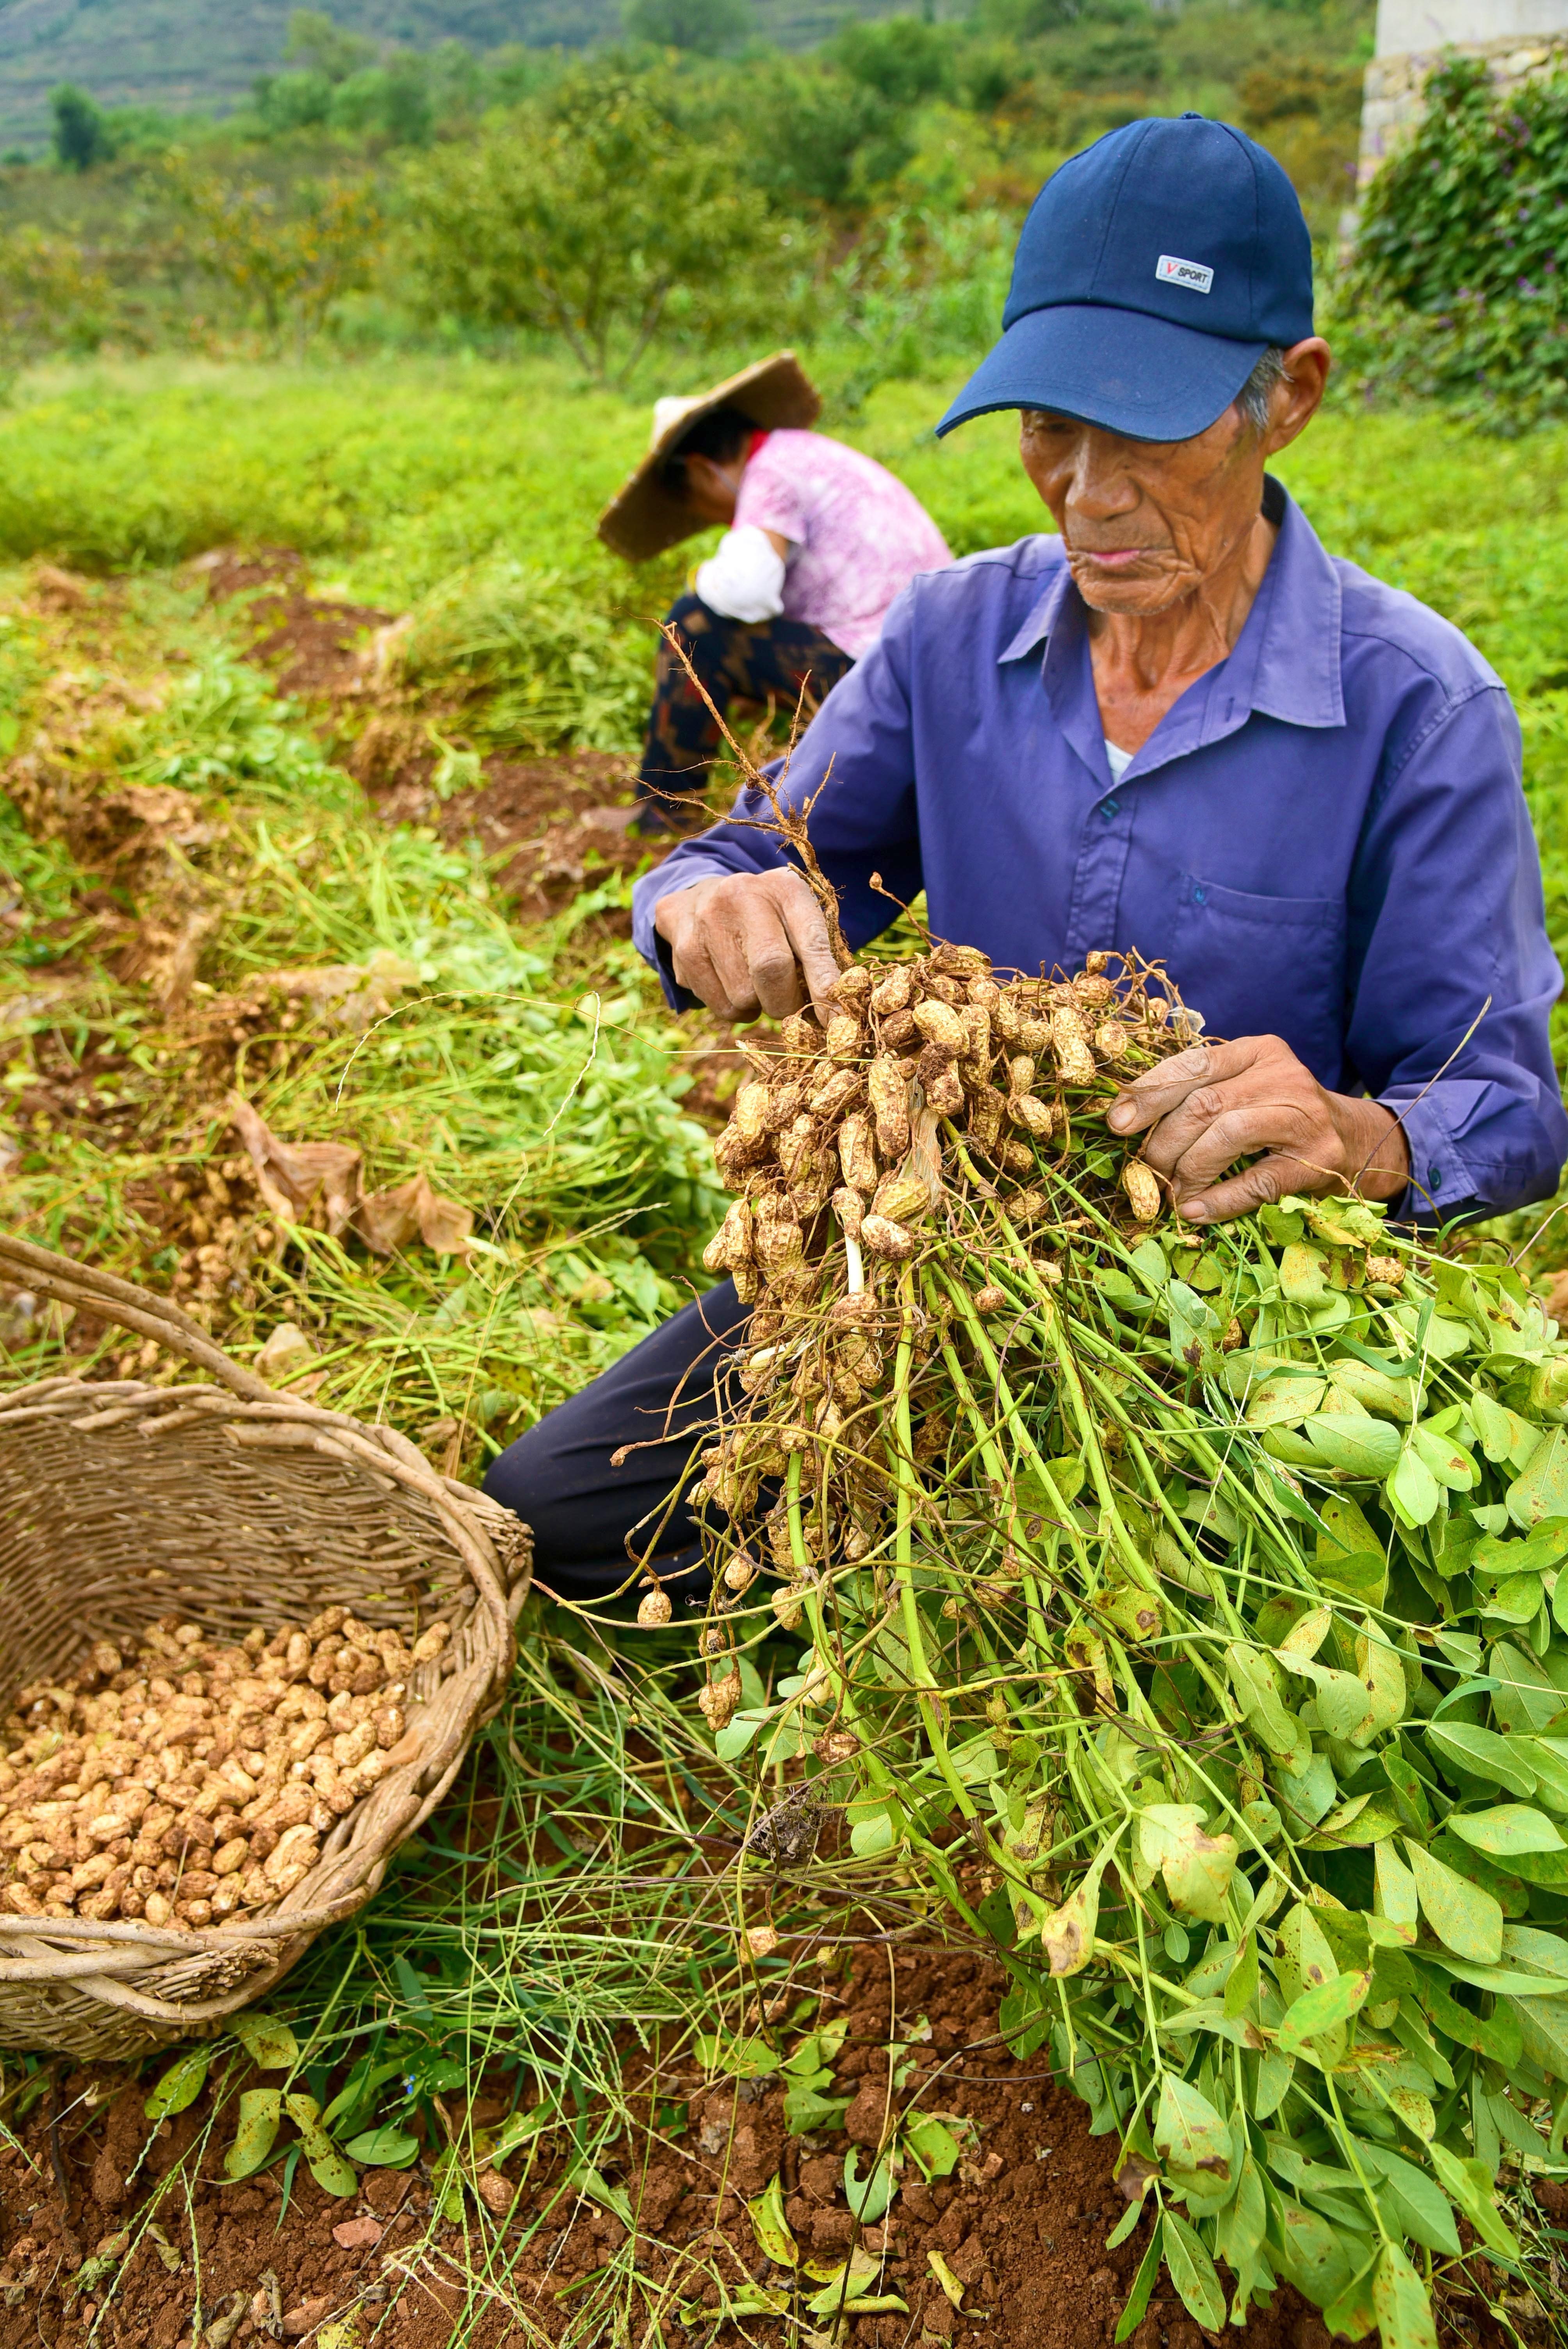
x=856 y=535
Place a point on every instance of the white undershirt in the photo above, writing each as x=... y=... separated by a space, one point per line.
x=1118 y=761
x=743 y=579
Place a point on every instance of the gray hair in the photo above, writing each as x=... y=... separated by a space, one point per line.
x=1253 y=398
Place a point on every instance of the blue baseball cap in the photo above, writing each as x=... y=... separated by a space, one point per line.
x=1153 y=272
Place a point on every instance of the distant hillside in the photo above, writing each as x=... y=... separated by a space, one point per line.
x=179 y=53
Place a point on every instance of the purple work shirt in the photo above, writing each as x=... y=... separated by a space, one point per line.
x=1325 y=839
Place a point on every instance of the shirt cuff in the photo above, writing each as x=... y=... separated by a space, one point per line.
x=681 y=871
x=1442 y=1180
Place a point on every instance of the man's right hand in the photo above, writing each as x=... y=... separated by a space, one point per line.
x=751 y=943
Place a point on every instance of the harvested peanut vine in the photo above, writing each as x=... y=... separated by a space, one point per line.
x=1210 y=1580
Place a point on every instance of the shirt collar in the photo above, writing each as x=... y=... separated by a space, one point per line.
x=1290 y=643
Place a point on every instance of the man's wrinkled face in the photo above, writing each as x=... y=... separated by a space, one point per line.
x=1145 y=523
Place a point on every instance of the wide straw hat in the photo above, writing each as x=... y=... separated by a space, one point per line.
x=641 y=519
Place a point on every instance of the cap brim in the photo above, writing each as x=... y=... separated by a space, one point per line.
x=1121 y=369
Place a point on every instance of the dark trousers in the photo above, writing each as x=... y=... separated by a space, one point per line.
x=592 y=1521
x=735 y=660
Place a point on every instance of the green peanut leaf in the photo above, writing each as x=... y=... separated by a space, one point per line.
x=1193 y=2273
x=1352 y=1441
x=1449 y=1461
x=1465 y=1919
x=1482 y=1753
x=1285 y=1402
x=1508 y=1829
x=1419 y=2203
x=934 y=2146
x=1189 y=2135
x=1493 y=1424
x=1412 y=1489
x=1498 y=2036
x=771 y=2227
x=1343 y=1706
x=261 y=2116
x=1270 y=1720
x=1524 y=1698
x=1315 y=2256
x=1536 y=1554
x=1352 y=2316
x=270 y=2045
x=867 y=2196
x=1143 y=2283
x=1382 y=1674
x=1541 y=2027
x=384 y=2149
x=1399 y=2300
x=1409 y=1795
x=1542 y=1490
x=1396 y=1891
x=1319 y=2009
x=737 y=2059
x=331 y=2170
x=1241 y=1982
x=1542 y=1954
x=1241 y=2225
x=179 y=2086
x=1467 y=2183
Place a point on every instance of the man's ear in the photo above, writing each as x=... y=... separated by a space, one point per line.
x=1297 y=397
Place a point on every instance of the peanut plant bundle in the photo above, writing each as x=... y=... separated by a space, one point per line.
x=192 y=1782
x=1209 y=1582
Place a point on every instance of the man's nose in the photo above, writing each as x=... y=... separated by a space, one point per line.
x=1100 y=483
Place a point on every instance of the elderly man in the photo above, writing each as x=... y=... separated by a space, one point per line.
x=1178 y=726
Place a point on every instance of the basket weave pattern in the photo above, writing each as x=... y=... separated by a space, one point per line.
x=230 y=1506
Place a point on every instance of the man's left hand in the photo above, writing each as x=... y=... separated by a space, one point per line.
x=1213 y=1103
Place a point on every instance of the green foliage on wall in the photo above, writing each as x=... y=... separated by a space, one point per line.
x=1458 y=289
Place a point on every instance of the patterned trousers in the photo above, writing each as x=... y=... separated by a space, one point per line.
x=749 y=661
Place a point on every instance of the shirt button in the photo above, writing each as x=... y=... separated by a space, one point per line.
x=1434 y=1178
x=1108 y=810
x=1199 y=894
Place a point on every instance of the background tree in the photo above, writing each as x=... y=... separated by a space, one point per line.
x=81 y=135
x=704 y=28
x=292 y=261
x=315 y=41
x=904 y=57
x=595 y=217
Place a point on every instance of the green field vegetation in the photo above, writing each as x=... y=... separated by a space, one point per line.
x=459 y=488
x=368 y=199
x=163 y=58
x=532 y=1074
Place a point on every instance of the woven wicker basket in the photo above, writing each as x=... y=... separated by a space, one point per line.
x=230 y=1506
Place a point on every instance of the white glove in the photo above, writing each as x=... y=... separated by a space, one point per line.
x=743 y=579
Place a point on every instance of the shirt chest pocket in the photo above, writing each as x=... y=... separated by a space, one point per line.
x=1263 y=966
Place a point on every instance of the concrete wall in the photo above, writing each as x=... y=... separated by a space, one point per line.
x=1517 y=38
x=1407 y=26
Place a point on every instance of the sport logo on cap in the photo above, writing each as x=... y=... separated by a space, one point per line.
x=1192 y=274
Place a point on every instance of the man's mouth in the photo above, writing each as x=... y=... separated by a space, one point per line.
x=1111 y=558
